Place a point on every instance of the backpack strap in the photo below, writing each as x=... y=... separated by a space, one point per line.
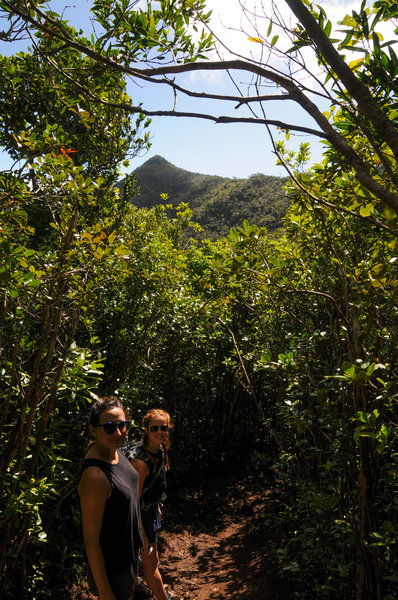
x=134 y=451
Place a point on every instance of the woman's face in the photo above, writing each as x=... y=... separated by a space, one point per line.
x=111 y=436
x=157 y=431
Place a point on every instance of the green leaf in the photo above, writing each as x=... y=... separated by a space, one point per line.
x=328 y=28
x=152 y=27
x=367 y=210
x=233 y=234
x=348 y=369
x=349 y=21
x=355 y=64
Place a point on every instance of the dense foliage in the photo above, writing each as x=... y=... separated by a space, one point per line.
x=285 y=349
x=217 y=203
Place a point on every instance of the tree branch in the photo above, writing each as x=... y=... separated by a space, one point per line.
x=355 y=87
x=339 y=143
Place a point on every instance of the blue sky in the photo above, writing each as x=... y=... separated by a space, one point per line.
x=230 y=150
x=202 y=146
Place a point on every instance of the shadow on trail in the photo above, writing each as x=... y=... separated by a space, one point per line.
x=211 y=499
x=215 y=544
x=242 y=576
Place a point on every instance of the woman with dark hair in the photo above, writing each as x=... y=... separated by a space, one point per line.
x=151 y=462
x=109 y=500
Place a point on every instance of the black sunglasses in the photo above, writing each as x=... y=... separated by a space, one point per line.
x=154 y=428
x=110 y=427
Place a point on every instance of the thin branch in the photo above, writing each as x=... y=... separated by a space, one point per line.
x=242 y=364
x=173 y=113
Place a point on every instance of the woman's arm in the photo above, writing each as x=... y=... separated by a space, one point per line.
x=94 y=489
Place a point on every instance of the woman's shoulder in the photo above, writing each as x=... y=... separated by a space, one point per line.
x=93 y=477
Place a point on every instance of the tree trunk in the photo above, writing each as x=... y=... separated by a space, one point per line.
x=368 y=570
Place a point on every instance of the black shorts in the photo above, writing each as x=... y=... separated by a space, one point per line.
x=151 y=523
x=121 y=582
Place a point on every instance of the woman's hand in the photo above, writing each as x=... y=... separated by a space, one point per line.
x=145 y=547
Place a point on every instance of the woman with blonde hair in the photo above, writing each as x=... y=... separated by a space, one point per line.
x=150 y=460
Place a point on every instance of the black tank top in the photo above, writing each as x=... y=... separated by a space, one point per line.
x=154 y=488
x=120 y=536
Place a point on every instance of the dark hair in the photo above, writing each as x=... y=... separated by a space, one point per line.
x=101 y=405
x=154 y=413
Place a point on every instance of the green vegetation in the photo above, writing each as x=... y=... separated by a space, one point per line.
x=283 y=348
x=217 y=203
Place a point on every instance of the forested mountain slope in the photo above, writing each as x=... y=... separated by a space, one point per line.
x=217 y=203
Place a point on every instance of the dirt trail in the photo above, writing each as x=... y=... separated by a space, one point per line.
x=215 y=550
x=212 y=546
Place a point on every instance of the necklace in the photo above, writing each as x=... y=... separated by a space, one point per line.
x=158 y=454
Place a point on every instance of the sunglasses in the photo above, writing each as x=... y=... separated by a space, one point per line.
x=110 y=427
x=154 y=428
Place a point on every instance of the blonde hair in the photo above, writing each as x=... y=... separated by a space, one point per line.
x=150 y=415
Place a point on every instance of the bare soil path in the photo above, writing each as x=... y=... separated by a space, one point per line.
x=213 y=547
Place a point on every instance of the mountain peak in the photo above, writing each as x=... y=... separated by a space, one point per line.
x=153 y=162
x=158 y=162
x=159 y=176
x=217 y=203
